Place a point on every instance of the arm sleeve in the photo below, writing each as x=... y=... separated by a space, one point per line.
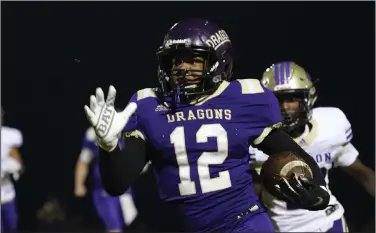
x=120 y=168
x=279 y=141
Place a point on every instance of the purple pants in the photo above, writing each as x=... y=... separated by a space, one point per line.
x=255 y=223
x=109 y=210
x=9 y=217
x=339 y=225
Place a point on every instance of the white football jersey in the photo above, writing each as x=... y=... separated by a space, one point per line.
x=328 y=142
x=10 y=137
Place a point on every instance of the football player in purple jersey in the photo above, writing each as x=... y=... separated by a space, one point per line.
x=115 y=212
x=199 y=123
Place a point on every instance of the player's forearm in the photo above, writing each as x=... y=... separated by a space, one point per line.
x=120 y=168
x=82 y=170
x=363 y=175
x=369 y=184
x=278 y=141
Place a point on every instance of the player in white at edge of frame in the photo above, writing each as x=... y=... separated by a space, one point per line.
x=325 y=133
x=11 y=167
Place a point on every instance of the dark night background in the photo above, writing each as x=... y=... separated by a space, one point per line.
x=54 y=55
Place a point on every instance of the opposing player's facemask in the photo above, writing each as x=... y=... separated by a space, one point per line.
x=295 y=110
x=294 y=89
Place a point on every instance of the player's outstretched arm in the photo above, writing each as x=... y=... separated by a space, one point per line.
x=317 y=197
x=120 y=168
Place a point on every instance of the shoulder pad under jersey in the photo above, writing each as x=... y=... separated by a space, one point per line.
x=334 y=122
x=90 y=134
x=250 y=86
x=143 y=94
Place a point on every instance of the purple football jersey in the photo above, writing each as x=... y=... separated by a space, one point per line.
x=201 y=160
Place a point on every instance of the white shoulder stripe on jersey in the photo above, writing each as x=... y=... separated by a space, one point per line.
x=145 y=93
x=250 y=86
x=86 y=155
x=90 y=134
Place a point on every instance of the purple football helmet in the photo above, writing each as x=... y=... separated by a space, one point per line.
x=196 y=37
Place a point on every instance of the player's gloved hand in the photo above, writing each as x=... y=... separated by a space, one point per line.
x=302 y=192
x=107 y=123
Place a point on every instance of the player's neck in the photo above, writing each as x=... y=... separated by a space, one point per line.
x=296 y=133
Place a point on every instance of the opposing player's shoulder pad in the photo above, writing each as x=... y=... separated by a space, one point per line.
x=250 y=86
x=14 y=136
x=90 y=134
x=143 y=94
x=335 y=119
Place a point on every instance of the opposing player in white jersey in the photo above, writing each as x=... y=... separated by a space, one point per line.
x=11 y=164
x=325 y=133
x=115 y=212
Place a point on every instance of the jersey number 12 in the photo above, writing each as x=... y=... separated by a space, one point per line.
x=186 y=185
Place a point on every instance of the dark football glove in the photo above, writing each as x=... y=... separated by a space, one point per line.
x=300 y=191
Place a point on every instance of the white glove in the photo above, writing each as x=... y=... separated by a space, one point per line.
x=106 y=122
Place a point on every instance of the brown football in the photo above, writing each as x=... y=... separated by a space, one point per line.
x=282 y=165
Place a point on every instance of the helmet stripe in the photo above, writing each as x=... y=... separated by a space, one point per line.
x=282 y=72
x=278 y=72
x=276 y=79
x=287 y=77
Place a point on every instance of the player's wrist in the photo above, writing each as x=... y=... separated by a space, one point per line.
x=108 y=145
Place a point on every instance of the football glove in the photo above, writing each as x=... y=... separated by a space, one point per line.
x=107 y=123
x=302 y=192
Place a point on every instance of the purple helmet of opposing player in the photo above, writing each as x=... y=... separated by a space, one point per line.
x=194 y=59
